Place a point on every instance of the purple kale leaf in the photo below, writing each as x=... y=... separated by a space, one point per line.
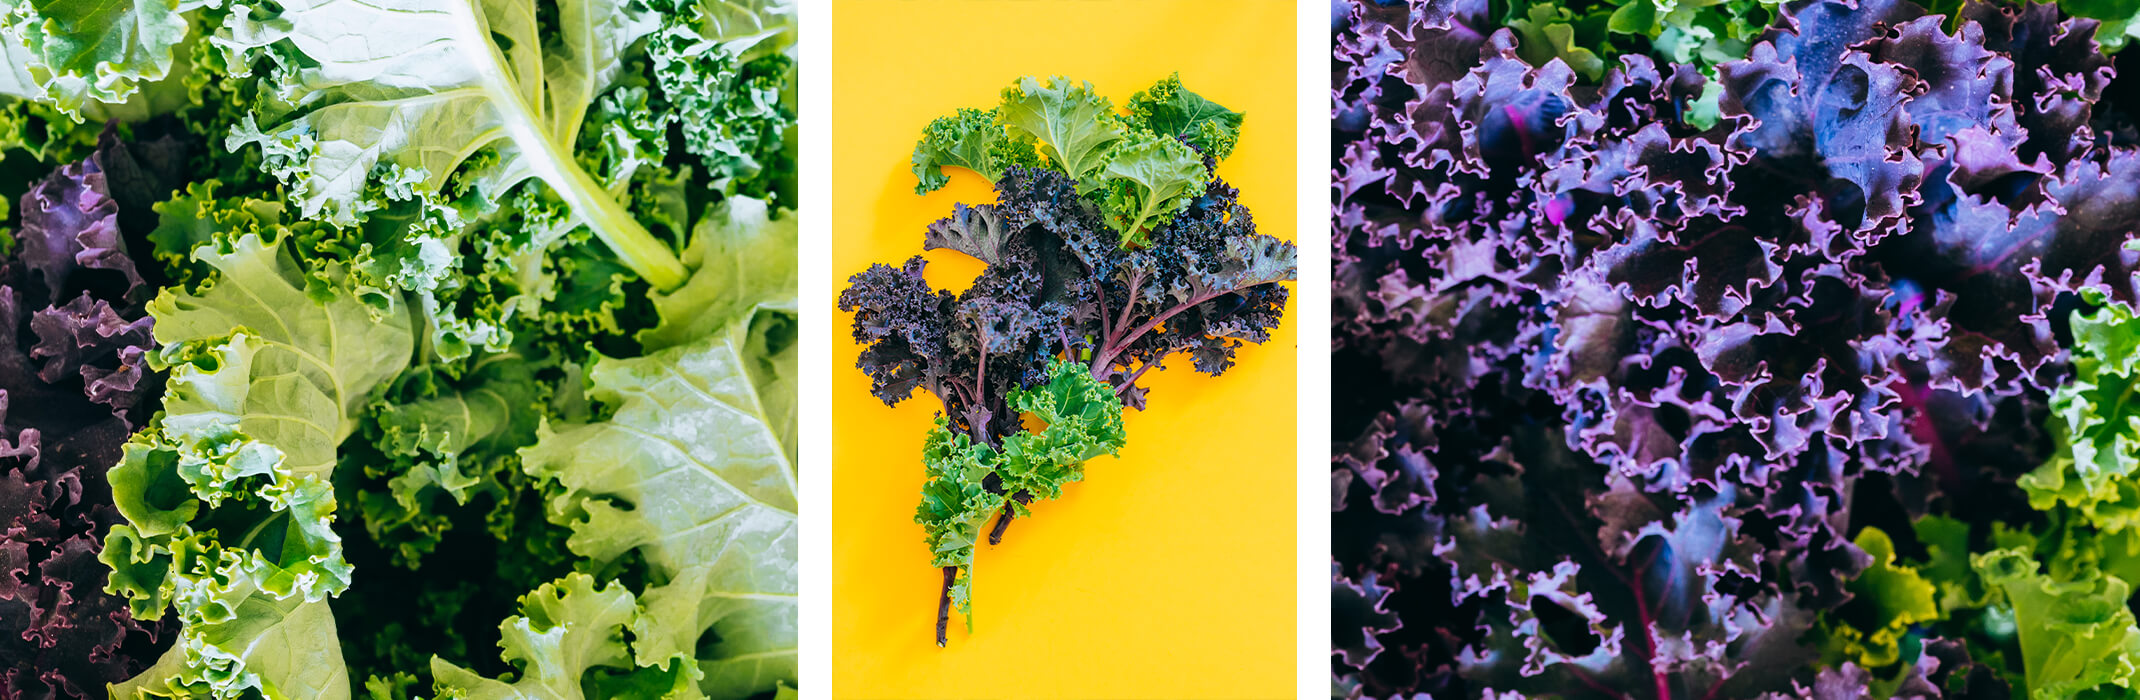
x=1838 y=306
x=74 y=385
x=1058 y=282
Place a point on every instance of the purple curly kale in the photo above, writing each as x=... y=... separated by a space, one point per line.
x=1616 y=390
x=74 y=384
x=1059 y=283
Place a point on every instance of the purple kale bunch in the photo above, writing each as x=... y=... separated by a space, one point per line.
x=1619 y=390
x=1059 y=283
x=74 y=385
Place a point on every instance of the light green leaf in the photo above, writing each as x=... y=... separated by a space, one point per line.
x=432 y=85
x=971 y=139
x=1073 y=126
x=280 y=649
x=743 y=289
x=690 y=472
x=2098 y=421
x=1896 y=599
x=317 y=362
x=227 y=494
x=1081 y=419
x=564 y=630
x=79 y=53
x=956 y=506
x=1149 y=180
x=2075 y=636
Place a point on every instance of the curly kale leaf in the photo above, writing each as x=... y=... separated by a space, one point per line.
x=351 y=126
x=971 y=139
x=970 y=480
x=75 y=381
x=1170 y=110
x=266 y=381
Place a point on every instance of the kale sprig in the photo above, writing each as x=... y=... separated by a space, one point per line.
x=1111 y=247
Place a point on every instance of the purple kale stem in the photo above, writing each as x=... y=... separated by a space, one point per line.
x=1099 y=298
x=1003 y=522
x=943 y=604
x=1106 y=357
x=1131 y=380
x=1129 y=303
x=980 y=383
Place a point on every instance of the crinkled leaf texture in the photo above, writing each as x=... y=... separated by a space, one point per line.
x=971 y=139
x=407 y=109
x=1172 y=111
x=1840 y=302
x=1070 y=124
x=2075 y=636
x=1141 y=169
x=970 y=482
x=564 y=629
x=76 y=55
x=227 y=496
x=693 y=471
x=1115 y=254
x=74 y=383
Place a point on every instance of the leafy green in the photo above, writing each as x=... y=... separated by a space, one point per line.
x=2096 y=473
x=1549 y=31
x=1168 y=109
x=1140 y=169
x=565 y=629
x=727 y=71
x=970 y=139
x=227 y=493
x=75 y=54
x=1892 y=595
x=409 y=114
x=386 y=318
x=1149 y=181
x=1589 y=37
x=1072 y=126
x=691 y=473
x=2075 y=635
x=1081 y=419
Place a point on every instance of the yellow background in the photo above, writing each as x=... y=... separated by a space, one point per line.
x=1169 y=572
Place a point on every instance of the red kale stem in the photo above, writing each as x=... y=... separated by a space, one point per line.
x=1595 y=685
x=943 y=604
x=1649 y=639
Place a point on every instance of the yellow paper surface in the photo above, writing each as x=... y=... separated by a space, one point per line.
x=1167 y=573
